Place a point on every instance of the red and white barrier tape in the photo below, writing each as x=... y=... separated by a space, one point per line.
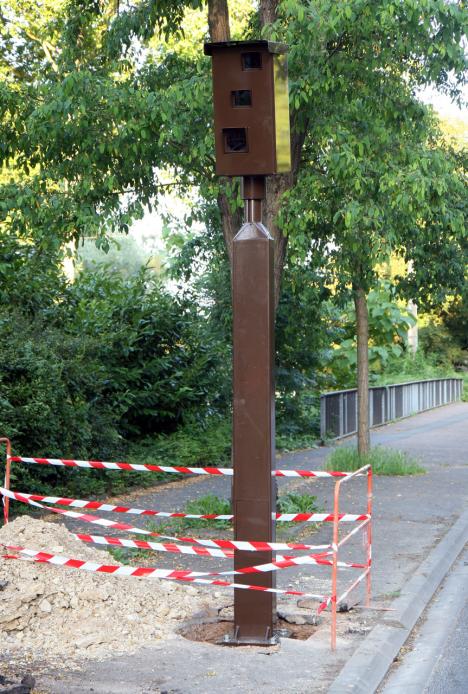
x=253 y=546
x=155 y=546
x=98 y=506
x=140 y=571
x=281 y=562
x=137 y=467
x=168 y=547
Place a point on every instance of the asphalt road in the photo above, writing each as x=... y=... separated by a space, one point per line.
x=451 y=671
x=435 y=658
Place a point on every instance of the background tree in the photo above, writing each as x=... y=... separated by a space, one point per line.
x=351 y=170
x=147 y=108
x=112 y=106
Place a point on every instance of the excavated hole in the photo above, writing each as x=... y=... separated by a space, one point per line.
x=214 y=631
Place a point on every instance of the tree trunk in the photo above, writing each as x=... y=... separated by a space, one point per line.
x=413 y=330
x=362 y=332
x=218 y=24
x=267 y=10
x=276 y=186
x=231 y=221
x=218 y=20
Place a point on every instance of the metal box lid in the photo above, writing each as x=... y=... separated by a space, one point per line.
x=269 y=46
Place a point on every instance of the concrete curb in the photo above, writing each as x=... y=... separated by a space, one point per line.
x=367 y=667
x=436 y=640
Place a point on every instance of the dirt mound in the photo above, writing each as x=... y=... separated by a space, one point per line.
x=53 y=610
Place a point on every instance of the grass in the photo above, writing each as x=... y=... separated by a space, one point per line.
x=296 y=441
x=288 y=503
x=298 y=503
x=212 y=504
x=178 y=526
x=384 y=461
x=207 y=504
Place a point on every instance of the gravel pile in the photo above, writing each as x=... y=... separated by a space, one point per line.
x=48 y=609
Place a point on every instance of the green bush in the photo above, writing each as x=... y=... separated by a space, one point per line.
x=305 y=325
x=455 y=318
x=159 y=359
x=464 y=375
x=412 y=367
x=51 y=399
x=31 y=274
x=297 y=418
x=111 y=361
x=438 y=344
x=206 y=443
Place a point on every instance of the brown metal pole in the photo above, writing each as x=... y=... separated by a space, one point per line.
x=254 y=490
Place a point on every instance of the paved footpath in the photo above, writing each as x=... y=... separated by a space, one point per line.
x=411 y=516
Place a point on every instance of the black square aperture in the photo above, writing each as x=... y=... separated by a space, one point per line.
x=235 y=140
x=251 y=60
x=241 y=98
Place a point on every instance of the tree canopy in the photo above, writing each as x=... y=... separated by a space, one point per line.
x=104 y=106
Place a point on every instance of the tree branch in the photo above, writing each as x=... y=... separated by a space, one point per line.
x=46 y=46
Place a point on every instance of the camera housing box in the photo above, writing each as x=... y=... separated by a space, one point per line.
x=251 y=107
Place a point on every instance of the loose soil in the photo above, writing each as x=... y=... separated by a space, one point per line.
x=68 y=612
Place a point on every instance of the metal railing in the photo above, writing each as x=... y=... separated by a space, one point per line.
x=338 y=409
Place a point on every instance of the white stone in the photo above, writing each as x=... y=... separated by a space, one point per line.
x=45 y=606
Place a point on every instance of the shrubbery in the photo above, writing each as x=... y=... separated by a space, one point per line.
x=111 y=361
x=159 y=359
x=114 y=358
x=115 y=367
x=438 y=343
x=52 y=390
